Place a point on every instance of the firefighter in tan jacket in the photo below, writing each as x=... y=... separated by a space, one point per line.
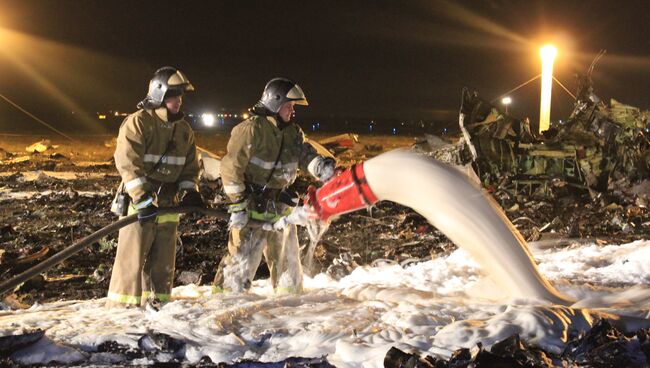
x=156 y=158
x=263 y=155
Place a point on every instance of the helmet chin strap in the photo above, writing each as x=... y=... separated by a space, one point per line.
x=147 y=104
x=262 y=110
x=281 y=123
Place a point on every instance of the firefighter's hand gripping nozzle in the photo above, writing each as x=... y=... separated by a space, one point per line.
x=347 y=192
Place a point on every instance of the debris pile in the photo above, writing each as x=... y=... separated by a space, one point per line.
x=40 y=146
x=588 y=176
x=602 y=346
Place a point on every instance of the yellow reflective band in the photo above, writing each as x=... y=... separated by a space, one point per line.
x=268 y=216
x=126 y=299
x=161 y=219
x=170 y=217
x=161 y=297
x=236 y=207
x=131 y=210
x=218 y=290
x=142 y=204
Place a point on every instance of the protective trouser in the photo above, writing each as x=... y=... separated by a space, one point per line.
x=145 y=262
x=245 y=249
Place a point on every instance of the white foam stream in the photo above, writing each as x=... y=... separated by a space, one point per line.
x=461 y=211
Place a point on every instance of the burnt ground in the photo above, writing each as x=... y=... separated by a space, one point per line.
x=61 y=211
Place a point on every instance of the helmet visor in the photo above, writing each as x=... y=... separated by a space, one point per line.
x=179 y=80
x=296 y=94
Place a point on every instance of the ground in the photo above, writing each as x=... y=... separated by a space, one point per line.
x=43 y=212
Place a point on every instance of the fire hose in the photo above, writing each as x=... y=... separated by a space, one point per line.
x=75 y=248
x=348 y=192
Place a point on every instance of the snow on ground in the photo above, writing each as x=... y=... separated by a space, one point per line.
x=433 y=307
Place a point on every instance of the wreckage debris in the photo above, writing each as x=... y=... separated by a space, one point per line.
x=341 y=143
x=587 y=176
x=605 y=345
x=40 y=146
x=12 y=343
x=4 y=154
x=597 y=149
x=602 y=346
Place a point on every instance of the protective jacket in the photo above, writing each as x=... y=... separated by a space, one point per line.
x=152 y=155
x=145 y=136
x=262 y=155
x=254 y=147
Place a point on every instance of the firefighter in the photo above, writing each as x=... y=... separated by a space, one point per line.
x=263 y=155
x=156 y=158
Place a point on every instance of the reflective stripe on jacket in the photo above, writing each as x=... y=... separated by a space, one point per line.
x=142 y=140
x=253 y=150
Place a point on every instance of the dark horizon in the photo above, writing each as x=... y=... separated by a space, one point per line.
x=65 y=60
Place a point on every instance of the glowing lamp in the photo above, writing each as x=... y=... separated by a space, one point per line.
x=207 y=119
x=506 y=101
x=548 y=54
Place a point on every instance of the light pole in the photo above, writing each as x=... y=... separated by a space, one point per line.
x=548 y=54
x=506 y=101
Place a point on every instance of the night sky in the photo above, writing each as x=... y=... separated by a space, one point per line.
x=364 y=59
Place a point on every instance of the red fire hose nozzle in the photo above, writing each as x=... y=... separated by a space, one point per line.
x=347 y=192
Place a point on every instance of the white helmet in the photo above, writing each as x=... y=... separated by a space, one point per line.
x=166 y=82
x=280 y=90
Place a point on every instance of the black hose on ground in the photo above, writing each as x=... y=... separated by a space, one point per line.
x=90 y=239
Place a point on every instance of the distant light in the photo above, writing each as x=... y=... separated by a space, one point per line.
x=313 y=127
x=394 y=131
x=506 y=101
x=208 y=119
x=102 y=117
x=548 y=54
x=117 y=113
x=245 y=116
x=235 y=115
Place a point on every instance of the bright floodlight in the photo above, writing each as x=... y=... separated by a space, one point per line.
x=208 y=119
x=244 y=115
x=548 y=53
x=506 y=101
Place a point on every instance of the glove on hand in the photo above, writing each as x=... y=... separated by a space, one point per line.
x=238 y=219
x=322 y=168
x=299 y=216
x=147 y=209
x=238 y=215
x=192 y=198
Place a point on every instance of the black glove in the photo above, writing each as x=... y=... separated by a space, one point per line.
x=147 y=209
x=192 y=198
